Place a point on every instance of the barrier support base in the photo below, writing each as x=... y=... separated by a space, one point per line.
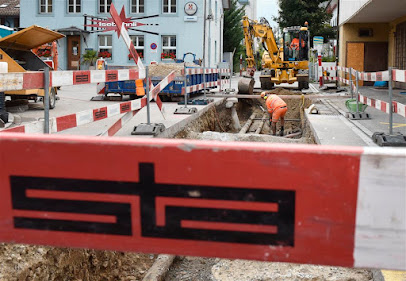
x=203 y=101
x=358 y=115
x=382 y=139
x=185 y=110
x=107 y=98
x=151 y=129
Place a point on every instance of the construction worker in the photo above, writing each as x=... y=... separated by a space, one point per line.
x=277 y=108
x=294 y=45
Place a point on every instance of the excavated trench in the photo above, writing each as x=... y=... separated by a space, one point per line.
x=217 y=122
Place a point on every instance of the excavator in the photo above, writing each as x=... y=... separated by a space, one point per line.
x=288 y=63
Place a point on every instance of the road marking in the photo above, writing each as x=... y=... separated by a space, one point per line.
x=395 y=125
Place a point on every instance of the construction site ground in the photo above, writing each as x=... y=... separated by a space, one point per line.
x=23 y=262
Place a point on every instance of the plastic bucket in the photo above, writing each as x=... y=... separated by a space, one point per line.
x=351 y=104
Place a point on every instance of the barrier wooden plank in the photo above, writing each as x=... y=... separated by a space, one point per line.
x=292 y=203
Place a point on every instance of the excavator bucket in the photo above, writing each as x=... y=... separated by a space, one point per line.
x=246 y=86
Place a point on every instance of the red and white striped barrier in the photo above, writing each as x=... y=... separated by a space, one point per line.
x=122 y=30
x=198 y=87
x=330 y=68
x=373 y=76
x=61 y=123
x=344 y=69
x=383 y=106
x=160 y=86
x=399 y=75
x=119 y=124
x=140 y=199
x=35 y=80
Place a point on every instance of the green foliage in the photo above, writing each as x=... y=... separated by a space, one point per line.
x=90 y=57
x=329 y=59
x=297 y=12
x=233 y=32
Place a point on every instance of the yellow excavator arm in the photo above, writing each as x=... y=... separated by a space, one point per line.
x=261 y=30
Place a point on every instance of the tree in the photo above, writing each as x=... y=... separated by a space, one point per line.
x=297 y=12
x=233 y=32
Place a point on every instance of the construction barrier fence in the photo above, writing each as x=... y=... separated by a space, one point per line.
x=152 y=196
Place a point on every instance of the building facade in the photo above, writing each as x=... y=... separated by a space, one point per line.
x=250 y=8
x=372 y=34
x=10 y=13
x=171 y=28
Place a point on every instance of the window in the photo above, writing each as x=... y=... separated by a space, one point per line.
x=45 y=6
x=215 y=11
x=168 y=47
x=169 y=6
x=138 y=41
x=105 y=46
x=74 y=6
x=137 y=6
x=104 y=6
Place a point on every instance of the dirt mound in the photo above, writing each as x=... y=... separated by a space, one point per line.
x=282 y=91
x=23 y=262
x=163 y=69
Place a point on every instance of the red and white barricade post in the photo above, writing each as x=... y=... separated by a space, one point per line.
x=142 y=200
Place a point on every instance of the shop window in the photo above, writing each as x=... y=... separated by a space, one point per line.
x=168 y=47
x=138 y=41
x=169 y=6
x=137 y=6
x=74 y=6
x=45 y=6
x=104 y=6
x=106 y=46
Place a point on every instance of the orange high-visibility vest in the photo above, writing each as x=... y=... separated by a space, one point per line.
x=274 y=102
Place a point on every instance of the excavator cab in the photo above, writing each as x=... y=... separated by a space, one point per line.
x=296 y=43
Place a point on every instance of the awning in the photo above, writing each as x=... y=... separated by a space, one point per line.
x=379 y=11
x=29 y=38
x=73 y=30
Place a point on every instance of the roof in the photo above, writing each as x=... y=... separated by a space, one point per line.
x=376 y=11
x=29 y=38
x=73 y=30
x=9 y=8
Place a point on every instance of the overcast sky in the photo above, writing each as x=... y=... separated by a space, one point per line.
x=267 y=9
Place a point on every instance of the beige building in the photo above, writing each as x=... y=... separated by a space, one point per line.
x=372 y=34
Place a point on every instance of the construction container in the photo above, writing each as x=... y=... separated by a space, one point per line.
x=15 y=49
x=173 y=89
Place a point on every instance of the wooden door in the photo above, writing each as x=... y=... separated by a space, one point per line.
x=355 y=57
x=73 y=52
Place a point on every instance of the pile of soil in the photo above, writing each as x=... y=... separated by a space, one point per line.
x=282 y=92
x=23 y=262
x=163 y=69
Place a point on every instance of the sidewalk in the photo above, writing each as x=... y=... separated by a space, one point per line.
x=383 y=94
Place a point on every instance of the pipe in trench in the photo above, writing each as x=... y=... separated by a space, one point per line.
x=293 y=135
x=247 y=125
x=235 y=119
x=259 y=129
